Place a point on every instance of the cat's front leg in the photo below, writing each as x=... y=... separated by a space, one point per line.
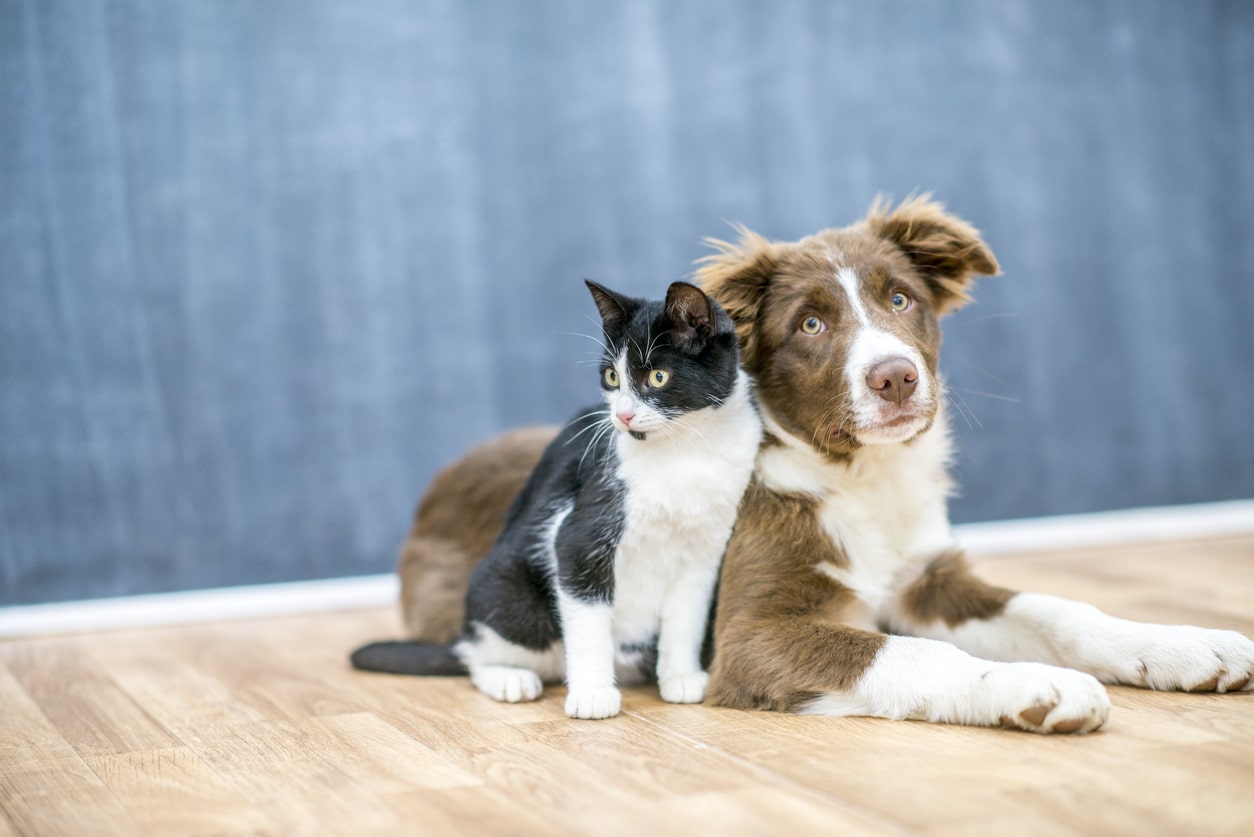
x=588 y=635
x=685 y=613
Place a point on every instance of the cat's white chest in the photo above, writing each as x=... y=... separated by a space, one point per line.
x=679 y=509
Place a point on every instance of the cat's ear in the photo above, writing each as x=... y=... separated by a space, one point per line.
x=737 y=277
x=692 y=316
x=615 y=309
x=948 y=251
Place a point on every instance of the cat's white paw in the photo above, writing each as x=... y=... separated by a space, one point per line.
x=1041 y=698
x=1182 y=658
x=684 y=688
x=507 y=683
x=592 y=702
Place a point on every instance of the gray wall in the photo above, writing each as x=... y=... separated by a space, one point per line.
x=265 y=266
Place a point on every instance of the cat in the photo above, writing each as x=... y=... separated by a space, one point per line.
x=605 y=571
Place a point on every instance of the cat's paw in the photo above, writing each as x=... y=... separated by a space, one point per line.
x=684 y=688
x=1183 y=658
x=1041 y=698
x=507 y=683
x=593 y=702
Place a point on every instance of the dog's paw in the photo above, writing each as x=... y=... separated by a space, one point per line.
x=1041 y=698
x=1184 y=658
x=507 y=683
x=592 y=702
x=684 y=688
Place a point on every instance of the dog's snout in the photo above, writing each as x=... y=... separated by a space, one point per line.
x=893 y=379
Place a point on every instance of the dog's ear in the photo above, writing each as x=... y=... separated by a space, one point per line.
x=737 y=277
x=948 y=251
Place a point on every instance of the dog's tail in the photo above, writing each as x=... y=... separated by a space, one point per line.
x=408 y=657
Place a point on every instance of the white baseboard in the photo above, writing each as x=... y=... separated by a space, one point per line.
x=1007 y=537
x=221 y=603
x=1077 y=531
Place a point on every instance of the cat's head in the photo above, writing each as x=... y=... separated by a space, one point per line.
x=664 y=359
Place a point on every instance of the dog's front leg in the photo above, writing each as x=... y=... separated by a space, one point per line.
x=949 y=603
x=923 y=679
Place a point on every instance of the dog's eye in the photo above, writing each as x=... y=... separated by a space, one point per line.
x=901 y=302
x=659 y=377
x=813 y=325
x=611 y=378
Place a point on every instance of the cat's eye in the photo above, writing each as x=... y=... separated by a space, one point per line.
x=611 y=377
x=901 y=302
x=813 y=325
x=659 y=378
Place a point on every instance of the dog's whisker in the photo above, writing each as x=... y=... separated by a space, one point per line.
x=992 y=395
x=958 y=409
x=971 y=412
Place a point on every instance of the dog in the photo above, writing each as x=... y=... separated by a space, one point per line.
x=843 y=589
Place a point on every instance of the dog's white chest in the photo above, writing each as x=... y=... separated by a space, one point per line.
x=886 y=512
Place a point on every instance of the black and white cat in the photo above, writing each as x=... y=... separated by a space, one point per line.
x=606 y=569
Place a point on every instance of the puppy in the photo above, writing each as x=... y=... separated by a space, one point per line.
x=843 y=590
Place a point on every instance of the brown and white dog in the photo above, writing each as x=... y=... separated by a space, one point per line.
x=843 y=589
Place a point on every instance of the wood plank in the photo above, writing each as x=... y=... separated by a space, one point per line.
x=380 y=757
x=151 y=669
x=61 y=795
x=297 y=786
x=485 y=811
x=81 y=701
x=25 y=732
x=175 y=792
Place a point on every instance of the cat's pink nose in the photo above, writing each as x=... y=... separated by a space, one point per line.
x=625 y=416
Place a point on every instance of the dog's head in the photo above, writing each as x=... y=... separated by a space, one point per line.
x=841 y=329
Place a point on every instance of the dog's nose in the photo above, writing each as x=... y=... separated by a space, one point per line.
x=893 y=379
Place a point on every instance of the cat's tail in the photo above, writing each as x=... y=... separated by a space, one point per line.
x=408 y=657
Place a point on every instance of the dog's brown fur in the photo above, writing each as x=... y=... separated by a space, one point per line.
x=786 y=620
x=947 y=591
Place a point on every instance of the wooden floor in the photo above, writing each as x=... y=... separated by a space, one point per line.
x=260 y=727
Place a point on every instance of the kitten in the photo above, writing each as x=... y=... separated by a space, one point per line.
x=605 y=571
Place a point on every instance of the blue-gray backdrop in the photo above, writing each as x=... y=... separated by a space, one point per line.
x=265 y=266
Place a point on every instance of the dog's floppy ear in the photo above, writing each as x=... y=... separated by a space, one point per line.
x=948 y=251
x=737 y=277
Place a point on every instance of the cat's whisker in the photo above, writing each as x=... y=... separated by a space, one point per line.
x=633 y=342
x=593 y=425
x=653 y=345
x=599 y=341
x=602 y=428
x=686 y=426
x=600 y=431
